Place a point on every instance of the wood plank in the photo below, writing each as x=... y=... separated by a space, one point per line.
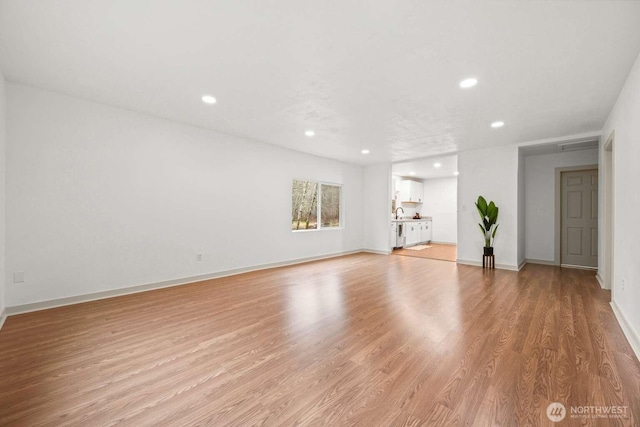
x=359 y=340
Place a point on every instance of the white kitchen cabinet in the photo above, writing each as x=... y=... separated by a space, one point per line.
x=411 y=191
x=408 y=233
x=422 y=230
x=413 y=233
x=426 y=232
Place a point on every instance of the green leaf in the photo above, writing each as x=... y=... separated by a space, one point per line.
x=493 y=236
x=482 y=229
x=492 y=211
x=482 y=206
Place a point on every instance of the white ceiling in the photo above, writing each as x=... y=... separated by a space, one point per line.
x=425 y=169
x=382 y=75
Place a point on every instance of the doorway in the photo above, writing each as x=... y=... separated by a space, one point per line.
x=424 y=208
x=579 y=218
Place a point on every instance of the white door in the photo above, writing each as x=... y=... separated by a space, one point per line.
x=579 y=218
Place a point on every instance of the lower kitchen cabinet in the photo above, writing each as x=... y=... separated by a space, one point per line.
x=413 y=233
x=425 y=231
x=416 y=232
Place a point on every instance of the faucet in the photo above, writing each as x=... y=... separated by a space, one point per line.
x=399 y=207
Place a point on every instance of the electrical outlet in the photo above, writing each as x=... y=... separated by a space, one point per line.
x=198 y=257
x=623 y=283
x=18 y=277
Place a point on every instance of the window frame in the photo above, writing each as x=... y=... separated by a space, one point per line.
x=319 y=206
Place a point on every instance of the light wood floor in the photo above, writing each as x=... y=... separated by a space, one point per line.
x=435 y=251
x=364 y=339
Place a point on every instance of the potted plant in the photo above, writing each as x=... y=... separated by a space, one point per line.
x=489 y=215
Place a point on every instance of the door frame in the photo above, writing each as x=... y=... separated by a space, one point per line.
x=608 y=201
x=558 y=206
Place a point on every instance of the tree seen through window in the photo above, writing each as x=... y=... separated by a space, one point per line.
x=311 y=200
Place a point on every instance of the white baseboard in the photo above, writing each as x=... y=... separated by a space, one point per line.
x=601 y=281
x=579 y=267
x=522 y=264
x=3 y=317
x=539 y=261
x=43 y=305
x=443 y=243
x=479 y=264
x=375 y=251
x=632 y=336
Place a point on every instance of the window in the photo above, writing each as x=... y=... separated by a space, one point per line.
x=329 y=205
x=312 y=200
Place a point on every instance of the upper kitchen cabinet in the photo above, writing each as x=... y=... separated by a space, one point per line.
x=411 y=191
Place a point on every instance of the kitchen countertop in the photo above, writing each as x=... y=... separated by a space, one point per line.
x=424 y=218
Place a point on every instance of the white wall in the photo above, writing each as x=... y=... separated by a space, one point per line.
x=2 y=192
x=492 y=173
x=540 y=240
x=410 y=209
x=100 y=198
x=624 y=120
x=377 y=207
x=441 y=203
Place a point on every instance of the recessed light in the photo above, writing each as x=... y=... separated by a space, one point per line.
x=309 y=133
x=208 y=99
x=365 y=151
x=436 y=165
x=456 y=173
x=467 y=83
x=412 y=173
x=497 y=124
